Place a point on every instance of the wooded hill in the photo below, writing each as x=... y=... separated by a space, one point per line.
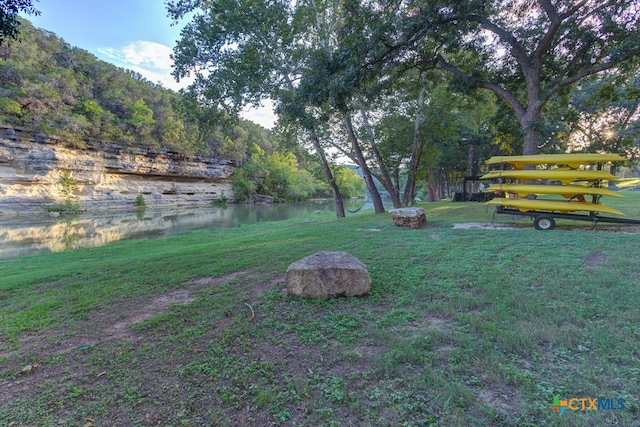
x=52 y=88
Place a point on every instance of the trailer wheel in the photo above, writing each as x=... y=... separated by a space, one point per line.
x=544 y=222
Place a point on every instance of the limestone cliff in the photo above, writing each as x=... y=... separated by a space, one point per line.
x=107 y=176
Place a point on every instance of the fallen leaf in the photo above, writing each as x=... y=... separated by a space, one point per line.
x=30 y=368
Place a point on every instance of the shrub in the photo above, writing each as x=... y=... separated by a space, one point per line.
x=140 y=203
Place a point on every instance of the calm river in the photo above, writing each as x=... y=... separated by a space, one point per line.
x=22 y=235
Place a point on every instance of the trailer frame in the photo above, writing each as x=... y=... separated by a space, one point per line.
x=545 y=220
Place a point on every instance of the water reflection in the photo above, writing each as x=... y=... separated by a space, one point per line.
x=35 y=234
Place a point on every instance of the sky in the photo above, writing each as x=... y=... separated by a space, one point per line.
x=133 y=34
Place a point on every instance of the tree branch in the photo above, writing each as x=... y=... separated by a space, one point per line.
x=547 y=39
x=497 y=89
x=588 y=72
x=516 y=47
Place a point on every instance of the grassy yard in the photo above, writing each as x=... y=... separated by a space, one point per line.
x=463 y=327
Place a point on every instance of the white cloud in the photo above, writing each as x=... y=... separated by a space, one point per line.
x=153 y=61
x=150 y=54
x=150 y=59
x=262 y=115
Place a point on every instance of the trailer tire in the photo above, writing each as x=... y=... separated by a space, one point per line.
x=544 y=222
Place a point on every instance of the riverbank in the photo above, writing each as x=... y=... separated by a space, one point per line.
x=38 y=233
x=462 y=327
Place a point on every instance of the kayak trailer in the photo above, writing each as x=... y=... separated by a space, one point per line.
x=521 y=177
x=547 y=220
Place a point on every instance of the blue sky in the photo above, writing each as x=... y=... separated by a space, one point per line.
x=132 y=34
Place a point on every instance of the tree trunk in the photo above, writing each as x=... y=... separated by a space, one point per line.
x=441 y=179
x=378 y=207
x=386 y=178
x=327 y=174
x=432 y=191
x=410 y=187
x=530 y=123
x=396 y=179
x=530 y=146
x=447 y=184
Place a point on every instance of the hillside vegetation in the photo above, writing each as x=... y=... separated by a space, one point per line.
x=50 y=88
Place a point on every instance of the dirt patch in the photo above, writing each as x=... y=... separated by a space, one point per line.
x=486 y=226
x=108 y=324
x=596 y=259
x=439 y=324
x=148 y=308
x=145 y=311
x=492 y=399
x=624 y=229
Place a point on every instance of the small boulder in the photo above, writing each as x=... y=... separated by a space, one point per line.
x=409 y=217
x=327 y=274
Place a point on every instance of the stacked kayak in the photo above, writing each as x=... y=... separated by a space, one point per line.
x=524 y=178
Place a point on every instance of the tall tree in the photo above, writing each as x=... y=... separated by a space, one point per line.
x=410 y=188
x=243 y=51
x=526 y=51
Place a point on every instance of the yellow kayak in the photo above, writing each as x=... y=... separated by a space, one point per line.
x=565 y=176
x=526 y=205
x=568 y=191
x=572 y=160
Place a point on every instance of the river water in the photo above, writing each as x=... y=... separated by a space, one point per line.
x=23 y=235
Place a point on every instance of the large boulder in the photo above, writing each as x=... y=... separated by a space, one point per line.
x=326 y=274
x=409 y=217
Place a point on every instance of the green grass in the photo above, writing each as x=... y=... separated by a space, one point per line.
x=461 y=328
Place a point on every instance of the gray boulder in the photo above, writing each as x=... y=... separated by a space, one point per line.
x=326 y=274
x=261 y=199
x=409 y=217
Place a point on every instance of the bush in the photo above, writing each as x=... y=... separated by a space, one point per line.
x=274 y=175
x=349 y=182
x=140 y=203
x=10 y=106
x=68 y=207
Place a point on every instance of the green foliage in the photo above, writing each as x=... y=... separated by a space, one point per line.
x=10 y=107
x=604 y=116
x=140 y=202
x=68 y=184
x=67 y=207
x=9 y=22
x=49 y=87
x=276 y=174
x=244 y=187
x=68 y=188
x=348 y=181
x=221 y=201
x=141 y=119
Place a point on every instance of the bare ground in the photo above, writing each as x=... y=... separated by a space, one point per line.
x=65 y=352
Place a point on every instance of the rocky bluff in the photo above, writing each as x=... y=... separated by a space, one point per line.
x=104 y=176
